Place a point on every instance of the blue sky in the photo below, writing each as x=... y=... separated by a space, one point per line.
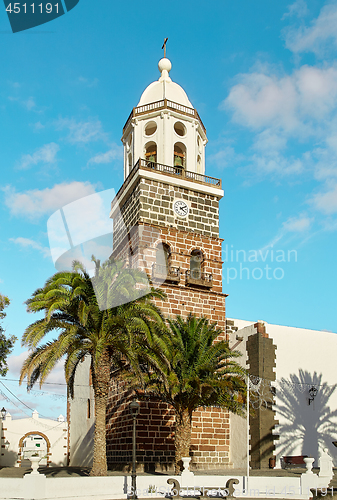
x=263 y=78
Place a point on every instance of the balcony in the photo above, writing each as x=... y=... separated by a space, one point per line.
x=167 y=273
x=164 y=104
x=176 y=172
x=195 y=277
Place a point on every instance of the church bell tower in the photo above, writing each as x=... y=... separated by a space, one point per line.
x=164 y=128
x=166 y=221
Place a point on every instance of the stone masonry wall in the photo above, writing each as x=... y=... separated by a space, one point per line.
x=261 y=361
x=151 y=202
x=139 y=249
x=155 y=434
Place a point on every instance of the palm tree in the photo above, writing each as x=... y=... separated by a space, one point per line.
x=107 y=317
x=201 y=372
x=6 y=344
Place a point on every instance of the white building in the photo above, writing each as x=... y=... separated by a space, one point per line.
x=24 y=437
x=293 y=392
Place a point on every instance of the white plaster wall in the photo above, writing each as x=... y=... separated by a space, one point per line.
x=81 y=427
x=14 y=429
x=238 y=425
x=304 y=358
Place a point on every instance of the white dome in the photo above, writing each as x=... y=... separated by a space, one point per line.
x=164 y=88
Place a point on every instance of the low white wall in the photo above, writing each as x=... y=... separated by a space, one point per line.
x=39 y=487
x=13 y=430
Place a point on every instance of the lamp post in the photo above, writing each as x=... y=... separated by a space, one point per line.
x=3 y=413
x=134 y=410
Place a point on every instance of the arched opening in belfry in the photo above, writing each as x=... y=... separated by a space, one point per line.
x=151 y=152
x=163 y=257
x=179 y=155
x=196 y=261
x=130 y=162
x=199 y=164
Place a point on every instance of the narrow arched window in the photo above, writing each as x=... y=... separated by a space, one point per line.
x=163 y=256
x=199 y=164
x=88 y=408
x=130 y=162
x=196 y=260
x=179 y=155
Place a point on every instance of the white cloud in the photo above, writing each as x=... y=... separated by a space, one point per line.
x=288 y=103
x=297 y=224
x=314 y=37
x=325 y=158
x=35 y=203
x=45 y=154
x=223 y=158
x=15 y=363
x=299 y=109
x=275 y=163
x=56 y=376
x=38 y=126
x=326 y=202
x=114 y=153
x=81 y=132
x=15 y=85
x=298 y=8
x=27 y=243
x=87 y=224
x=87 y=82
x=30 y=103
x=259 y=100
x=269 y=140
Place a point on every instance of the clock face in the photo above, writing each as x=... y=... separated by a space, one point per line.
x=181 y=208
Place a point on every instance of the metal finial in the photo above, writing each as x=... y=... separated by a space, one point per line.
x=164 y=46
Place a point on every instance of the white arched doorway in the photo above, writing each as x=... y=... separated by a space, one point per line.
x=31 y=444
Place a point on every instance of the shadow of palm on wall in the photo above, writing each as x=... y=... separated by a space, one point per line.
x=305 y=429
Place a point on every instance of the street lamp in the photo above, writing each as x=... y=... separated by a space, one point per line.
x=3 y=413
x=134 y=410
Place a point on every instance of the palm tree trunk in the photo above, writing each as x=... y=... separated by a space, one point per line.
x=182 y=439
x=101 y=380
